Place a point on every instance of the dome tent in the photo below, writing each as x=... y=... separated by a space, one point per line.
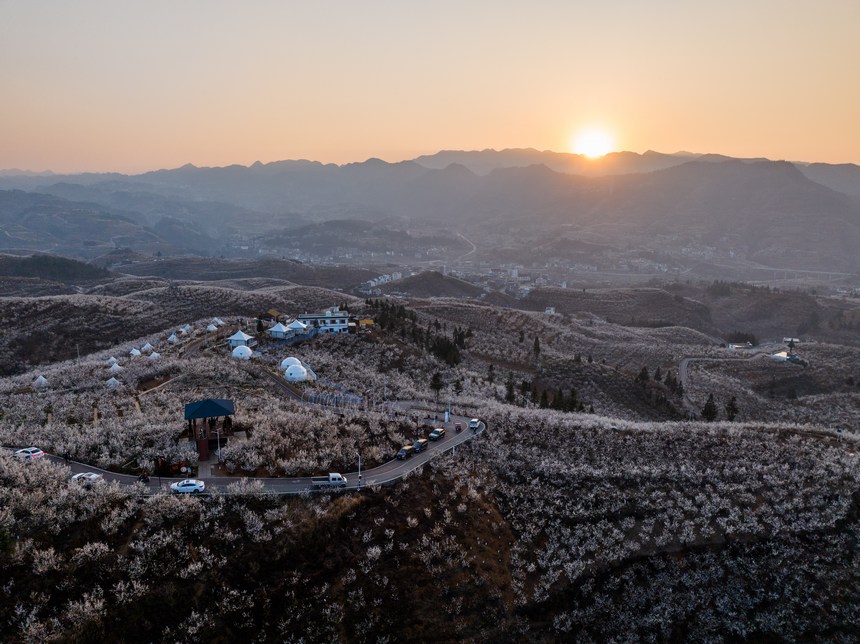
x=242 y=353
x=296 y=373
x=40 y=383
x=286 y=363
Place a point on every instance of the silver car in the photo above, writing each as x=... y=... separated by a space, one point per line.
x=188 y=486
x=87 y=478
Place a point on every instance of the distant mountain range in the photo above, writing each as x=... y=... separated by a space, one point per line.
x=772 y=213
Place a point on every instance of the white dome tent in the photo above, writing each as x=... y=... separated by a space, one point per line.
x=296 y=373
x=242 y=353
x=115 y=368
x=112 y=384
x=40 y=383
x=286 y=363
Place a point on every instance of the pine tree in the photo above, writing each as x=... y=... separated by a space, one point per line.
x=509 y=388
x=658 y=375
x=436 y=384
x=544 y=400
x=536 y=347
x=709 y=411
x=732 y=409
x=491 y=373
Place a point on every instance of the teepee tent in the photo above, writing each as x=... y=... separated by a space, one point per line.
x=40 y=383
x=154 y=355
x=173 y=339
x=146 y=348
x=134 y=353
x=115 y=368
x=112 y=384
x=112 y=360
x=212 y=328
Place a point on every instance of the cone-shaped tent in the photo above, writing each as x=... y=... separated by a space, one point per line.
x=154 y=355
x=212 y=328
x=113 y=383
x=173 y=339
x=134 y=352
x=115 y=368
x=40 y=383
x=112 y=360
x=146 y=348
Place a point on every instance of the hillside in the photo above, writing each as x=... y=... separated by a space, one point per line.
x=432 y=284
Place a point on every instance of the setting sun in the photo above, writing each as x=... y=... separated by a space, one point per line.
x=593 y=143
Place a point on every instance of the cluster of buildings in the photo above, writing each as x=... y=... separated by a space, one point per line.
x=371 y=287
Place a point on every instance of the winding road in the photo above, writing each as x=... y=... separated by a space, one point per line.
x=380 y=475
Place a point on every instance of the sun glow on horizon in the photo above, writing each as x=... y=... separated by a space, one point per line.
x=593 y=142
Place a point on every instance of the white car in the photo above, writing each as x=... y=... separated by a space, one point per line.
x=188 y=486
x=87 y=478
x=29 y=453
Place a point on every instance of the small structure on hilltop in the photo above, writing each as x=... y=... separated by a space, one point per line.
x=780 y=356
x=115 y=368
x=202 y=417
x=173 y=339
x=134 y=353
x=296 y=373
x=40 y=383
x=242 y=353
x=113 y=384
x=146 y=348
x=154 y=355
x=212 y=328
x=112 y=360
x=241 y=339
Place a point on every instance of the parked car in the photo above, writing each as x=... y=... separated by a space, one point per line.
x=87 y=478
x=420 y=445
x=436 y=434
x=405 y=452
x=188 y=486
x=29 y=453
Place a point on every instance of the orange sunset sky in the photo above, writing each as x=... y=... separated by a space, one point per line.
x=134 y=86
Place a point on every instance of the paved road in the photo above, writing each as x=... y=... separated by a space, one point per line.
x=380 y=475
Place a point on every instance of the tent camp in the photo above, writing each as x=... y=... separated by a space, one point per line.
x=242 y=353
x=240 y=339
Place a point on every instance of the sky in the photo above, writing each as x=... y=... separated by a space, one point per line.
x=125 y=86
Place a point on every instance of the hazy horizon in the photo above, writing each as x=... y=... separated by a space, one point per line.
x=99 y=86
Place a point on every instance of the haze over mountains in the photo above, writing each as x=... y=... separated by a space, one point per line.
x=765 y=213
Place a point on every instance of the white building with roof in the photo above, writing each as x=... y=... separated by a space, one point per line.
x=241 y=339
x=333 y=320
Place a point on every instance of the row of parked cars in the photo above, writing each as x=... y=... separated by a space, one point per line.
x=423 y=443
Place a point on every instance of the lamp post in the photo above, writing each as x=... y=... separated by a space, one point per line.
x=218 y=437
